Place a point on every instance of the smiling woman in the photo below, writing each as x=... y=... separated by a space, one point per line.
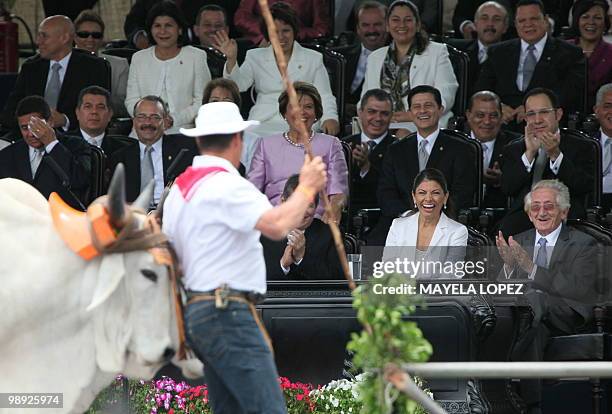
x=168 y=69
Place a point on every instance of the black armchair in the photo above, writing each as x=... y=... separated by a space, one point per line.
x=460 y=62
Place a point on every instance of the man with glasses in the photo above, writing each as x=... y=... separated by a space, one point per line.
x=543 y=154
x=90 y=36
x=58 y=73
x=603 y=112
x=150 y=157
x=559 y=265
x=534 y=60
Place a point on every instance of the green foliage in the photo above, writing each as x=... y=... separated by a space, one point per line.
x=392 y=340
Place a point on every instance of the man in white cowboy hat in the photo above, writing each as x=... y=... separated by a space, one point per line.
x=214 y=218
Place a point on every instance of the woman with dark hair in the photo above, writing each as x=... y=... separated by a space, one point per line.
x=410 y=60
x=279 y=156
x=226 y=90
x=428 y=232
x=260 y=69
x=169 y=69
x=590 y=22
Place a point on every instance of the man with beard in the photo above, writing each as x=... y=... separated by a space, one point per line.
x=491 y=22
x=150 y=157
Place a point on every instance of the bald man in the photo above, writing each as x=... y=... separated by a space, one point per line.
x=58 y=72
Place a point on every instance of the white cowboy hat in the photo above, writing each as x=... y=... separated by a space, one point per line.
x=218 y=118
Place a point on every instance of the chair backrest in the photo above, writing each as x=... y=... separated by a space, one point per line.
x=474 y=150
x=335 y=64
x=97 y=178
x=215 y=59
x=352 y=244
x=460 y=62
x=586 y=143
x=120 y=126
x=124 y=52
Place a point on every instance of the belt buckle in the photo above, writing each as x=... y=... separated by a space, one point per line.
x=221 y=297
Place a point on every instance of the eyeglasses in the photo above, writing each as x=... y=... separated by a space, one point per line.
x=548 y=207
x=533 y=114
x=85 y=35
x=145 y=117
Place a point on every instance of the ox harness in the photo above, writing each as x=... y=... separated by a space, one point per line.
x=188 y=182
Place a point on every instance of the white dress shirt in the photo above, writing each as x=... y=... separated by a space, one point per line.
x=97 y=140
x=158 y=167
x=431 y=140
x=214 y=232
x=482 y=52
x=486 y=154
x=539 y=48
x=362 y=64
x=32 y=152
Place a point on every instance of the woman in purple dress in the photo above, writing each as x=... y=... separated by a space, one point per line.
x=590 y=22
x=277 y=157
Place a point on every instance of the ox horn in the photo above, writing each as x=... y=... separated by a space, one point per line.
x=116 y=198
x=159 y=211
x=145 y=198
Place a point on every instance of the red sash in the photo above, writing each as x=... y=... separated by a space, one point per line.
x=188 y=179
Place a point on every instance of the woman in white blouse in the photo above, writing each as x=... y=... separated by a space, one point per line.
x=259 y=69
x=176 y=73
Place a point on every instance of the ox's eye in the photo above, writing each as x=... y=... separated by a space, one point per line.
x=149 y=274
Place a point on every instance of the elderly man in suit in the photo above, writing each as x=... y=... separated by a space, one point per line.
x=151 y=156
x=369 y=147
x=428 y=148
x=544 y=153
x=58 y=72
x=90 y=36
x=491 y=22
x=603 y=112
x=535 y=60
x=49 y=162
x=558 y=263
x=484 y=121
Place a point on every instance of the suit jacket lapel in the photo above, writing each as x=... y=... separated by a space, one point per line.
x=436 y=152
x=22 y=162
x=439 y=232
x=560 y=246
x=41 y=79
x=132 y=169
x=497 y=150
x=543 y=66
x=68 y=75
x=515 y=56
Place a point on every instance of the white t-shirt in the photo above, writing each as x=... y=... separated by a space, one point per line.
x=214 y=232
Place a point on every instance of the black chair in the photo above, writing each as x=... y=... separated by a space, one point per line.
x=124 y=52
x=474 y=151
x=588 y=144
x=215 y=59
x=352 y=245
x=120 y=126
x=98 y=173
x=593 y=346
x=335 y=64
x=460 y=62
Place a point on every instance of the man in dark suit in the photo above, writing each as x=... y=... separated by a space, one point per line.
x=32 y=158
x=308 y=252
x=150 y=157
x=372 y=35
x=369 y=147
x=484 y=121
x=543 y=154
x=94 y=113
x=603 y=112
x=491 y=23
x=428 y=148
x=535 y=60
x=58 y=72
x=558 y=263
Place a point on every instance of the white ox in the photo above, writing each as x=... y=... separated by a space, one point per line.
x=68 y=325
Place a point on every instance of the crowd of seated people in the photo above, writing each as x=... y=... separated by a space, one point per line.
x=526 y=76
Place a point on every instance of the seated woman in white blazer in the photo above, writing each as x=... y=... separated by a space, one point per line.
x=259 y=69
x=174 y=72
x=410 y=60
x=428 y=235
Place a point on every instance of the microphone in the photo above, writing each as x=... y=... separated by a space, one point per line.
x=65 y=181
x=173 y=168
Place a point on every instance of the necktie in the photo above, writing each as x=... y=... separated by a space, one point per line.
x=485 y=153
x=360 y=71
x=52 y=91
x=36 y=160
x=538 y=166
x=482 y=55
x=542 y=256
x=529 y=66
x=146 y=169
x=607 y=157
x=423 y=155
x=371 y=145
